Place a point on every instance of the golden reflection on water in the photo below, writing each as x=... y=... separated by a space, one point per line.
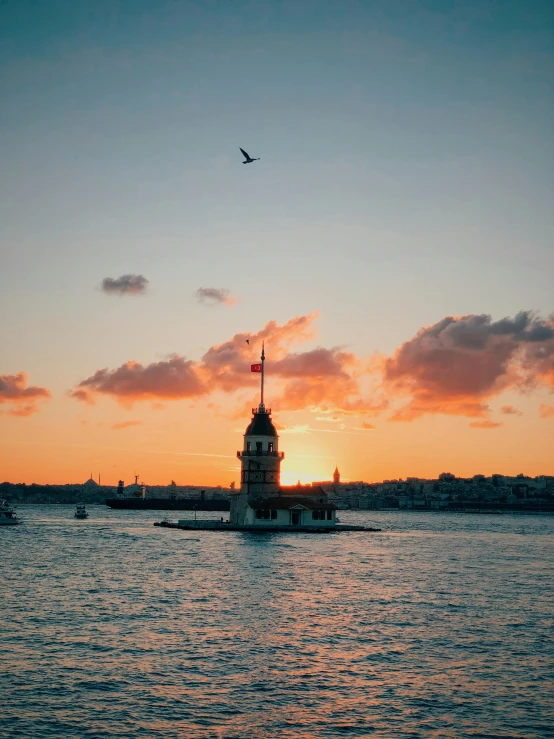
x=440 y=628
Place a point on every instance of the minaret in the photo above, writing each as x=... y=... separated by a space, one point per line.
x=260 y=456
x=336 y=476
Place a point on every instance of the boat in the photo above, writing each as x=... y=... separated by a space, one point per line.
x=168 y=504
x=81 y=511
x=8 y=516
x=138 y=500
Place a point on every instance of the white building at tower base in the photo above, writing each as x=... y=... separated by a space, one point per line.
x=261 y=501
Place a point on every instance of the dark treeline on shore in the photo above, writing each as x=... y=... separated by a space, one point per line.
x=447 y=492
x=22 y=493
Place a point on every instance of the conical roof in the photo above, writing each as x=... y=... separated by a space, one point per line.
x=261 y=425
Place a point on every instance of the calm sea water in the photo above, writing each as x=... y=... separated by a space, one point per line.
x=440 y=626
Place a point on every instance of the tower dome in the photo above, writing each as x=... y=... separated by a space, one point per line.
x=261 y=424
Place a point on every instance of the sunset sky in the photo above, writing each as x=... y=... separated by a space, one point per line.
x=393 y=246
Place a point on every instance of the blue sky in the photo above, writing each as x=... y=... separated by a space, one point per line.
x=406 y=171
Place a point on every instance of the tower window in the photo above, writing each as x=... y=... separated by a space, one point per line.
x=270 y=446
x=258 y=446
x=248 y=446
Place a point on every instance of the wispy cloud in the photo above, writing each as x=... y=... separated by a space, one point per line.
x=305 y=429
x=125 y=425
x=125 y=285
x=121 y=449
x=485 y=424
x=509 y=410
x=301 y=429
x=214 y=296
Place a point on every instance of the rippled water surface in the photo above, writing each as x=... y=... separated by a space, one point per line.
x=440 y=626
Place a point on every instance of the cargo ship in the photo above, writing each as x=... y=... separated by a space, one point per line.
x=138 y=500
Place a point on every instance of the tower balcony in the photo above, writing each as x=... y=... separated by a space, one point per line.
x=259 y=453
x=265 y=410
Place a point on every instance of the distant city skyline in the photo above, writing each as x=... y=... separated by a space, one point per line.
x=393 y=245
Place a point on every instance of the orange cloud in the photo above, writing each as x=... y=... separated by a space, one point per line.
x=333 y=395
x=173 y=379
x=485 y=425
x=13 y=391
x=457 y=364
x=453 y=367
x=321 y=378
x=324 y=380
x=223 y=365
x=318 y=363
x=546 y=411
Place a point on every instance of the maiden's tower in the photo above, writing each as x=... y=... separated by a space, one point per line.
x=261 y=501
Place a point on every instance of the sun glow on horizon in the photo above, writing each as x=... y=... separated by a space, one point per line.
x=305 y=478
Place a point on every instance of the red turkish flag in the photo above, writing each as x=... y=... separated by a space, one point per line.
x=255 y=368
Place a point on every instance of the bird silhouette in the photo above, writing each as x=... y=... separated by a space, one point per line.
x=248 y=341
x=247 y=158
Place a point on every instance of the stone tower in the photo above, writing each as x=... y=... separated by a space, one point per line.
x=260 y=457
x=336 y=476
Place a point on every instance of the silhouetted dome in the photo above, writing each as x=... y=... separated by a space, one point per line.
x=261 y=425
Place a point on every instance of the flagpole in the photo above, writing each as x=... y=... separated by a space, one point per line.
x=263 y=361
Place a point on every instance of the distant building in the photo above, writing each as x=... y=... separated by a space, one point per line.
x=328 y=484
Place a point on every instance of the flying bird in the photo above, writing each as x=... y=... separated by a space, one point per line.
x=247 y=158
x=248 y=341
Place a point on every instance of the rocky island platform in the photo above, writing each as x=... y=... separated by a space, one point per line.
x=203 y=525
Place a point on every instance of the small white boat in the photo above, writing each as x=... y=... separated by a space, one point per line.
x=81 y=511
x=8 y=516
